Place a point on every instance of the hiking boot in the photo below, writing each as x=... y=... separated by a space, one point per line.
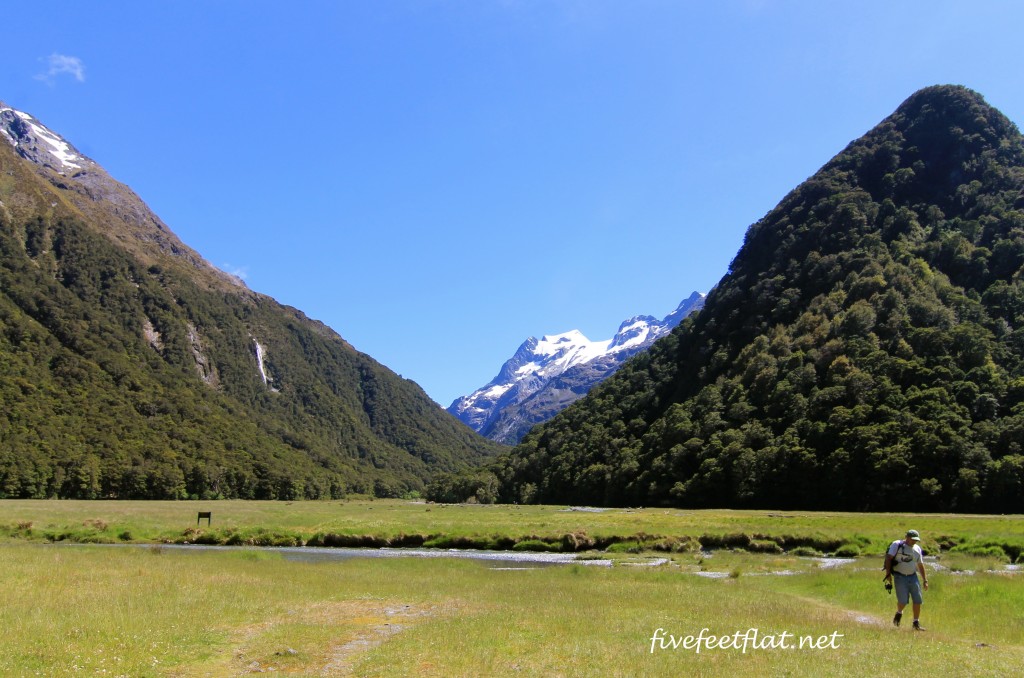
x=896 y=620
x=918 y=627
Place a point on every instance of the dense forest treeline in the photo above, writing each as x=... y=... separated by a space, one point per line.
x=865 y=350
x=130 y=379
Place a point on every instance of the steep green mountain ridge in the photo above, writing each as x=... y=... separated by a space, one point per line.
x=131 y=368
x=865 y=351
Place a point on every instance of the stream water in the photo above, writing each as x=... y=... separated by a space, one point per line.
x=499 y=560
x=310 y=554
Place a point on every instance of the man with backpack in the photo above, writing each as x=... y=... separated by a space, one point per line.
x=904 y=561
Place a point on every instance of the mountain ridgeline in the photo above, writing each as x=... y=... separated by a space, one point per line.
x=865 y=350
x=131 y=368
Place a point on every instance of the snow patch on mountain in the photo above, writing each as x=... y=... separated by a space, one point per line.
x=25 y=134
x=532 y=386
x=555 y=353
x=87 y=186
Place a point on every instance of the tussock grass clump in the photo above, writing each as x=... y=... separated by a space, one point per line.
x=677 y=545
x=498 y=542
x=1007 y=550
x=983 y=551
x=332 y=539
x=577 y=541
x=445 y=541
x=235 y=537
x=641 y=541
x=848 y=551
x=735 y=540
x=629 y=546
x=805 y=545
x=85 y=534
x=763 y=546
x=945 y=542
x=969 y=564
x=537 y=545
x=18 y=530
x=816 y=542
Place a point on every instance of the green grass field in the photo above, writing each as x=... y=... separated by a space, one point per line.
x=153 y=611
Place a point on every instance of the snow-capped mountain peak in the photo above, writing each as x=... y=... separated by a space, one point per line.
x=494 y=409
x=84 y=184
x=636 y=331
x=555 y=353
x=37 y=143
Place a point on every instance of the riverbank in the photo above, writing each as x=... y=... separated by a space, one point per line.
x=404 y=524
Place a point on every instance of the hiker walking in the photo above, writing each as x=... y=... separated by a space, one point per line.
x=904 y=561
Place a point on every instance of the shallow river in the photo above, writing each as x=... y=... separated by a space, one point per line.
x=315 y=554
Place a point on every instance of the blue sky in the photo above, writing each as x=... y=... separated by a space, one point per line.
x=438 y=180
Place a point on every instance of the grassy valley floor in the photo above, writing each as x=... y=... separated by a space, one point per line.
x=154 y=611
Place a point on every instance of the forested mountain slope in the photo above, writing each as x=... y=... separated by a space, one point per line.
x=131 y=368
x=865 y=351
